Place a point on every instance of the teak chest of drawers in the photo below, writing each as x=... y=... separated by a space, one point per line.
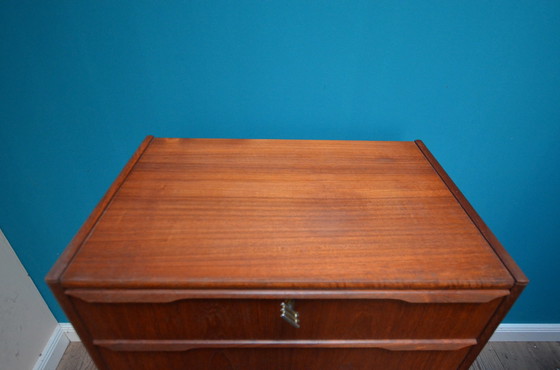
x=284 y=254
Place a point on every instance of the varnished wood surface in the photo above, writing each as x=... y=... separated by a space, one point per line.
x=54 y=275
x=514 y=269
x=173 y=295
x=495 y=356
x=492 y=325
x=284 y=214
x=144 y=345
x=286 y=358
x=260 y=319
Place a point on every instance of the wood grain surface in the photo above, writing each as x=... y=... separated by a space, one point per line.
x=504 y=256
x=285 y=358
x=174 y=295
x=260 y=319
x=196 y=213
x=144 y=345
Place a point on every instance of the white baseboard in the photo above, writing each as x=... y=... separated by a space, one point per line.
x=65 y=333
x=70 y=332
x=53 y=351
x=527 y=333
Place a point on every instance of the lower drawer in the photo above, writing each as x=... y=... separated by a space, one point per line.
x=260 y=319
x=284 y=359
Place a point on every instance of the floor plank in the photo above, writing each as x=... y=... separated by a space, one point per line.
x=76 y=358
x=528 y=355
x=488 y=359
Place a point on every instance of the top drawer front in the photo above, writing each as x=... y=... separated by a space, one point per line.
x=260 y=319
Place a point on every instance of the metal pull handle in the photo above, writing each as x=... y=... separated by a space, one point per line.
x=288 y=313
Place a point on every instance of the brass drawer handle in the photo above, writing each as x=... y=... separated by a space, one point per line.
x=288 y=313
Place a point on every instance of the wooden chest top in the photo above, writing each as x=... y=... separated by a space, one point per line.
x=267 y=214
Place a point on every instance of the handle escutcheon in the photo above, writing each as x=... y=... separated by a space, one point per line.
x=288 y=313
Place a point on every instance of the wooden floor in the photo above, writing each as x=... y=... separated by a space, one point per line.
x=496 y=356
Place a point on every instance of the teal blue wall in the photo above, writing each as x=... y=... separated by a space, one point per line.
x=82 y=83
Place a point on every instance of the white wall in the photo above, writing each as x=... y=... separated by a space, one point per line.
x=26 y=323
